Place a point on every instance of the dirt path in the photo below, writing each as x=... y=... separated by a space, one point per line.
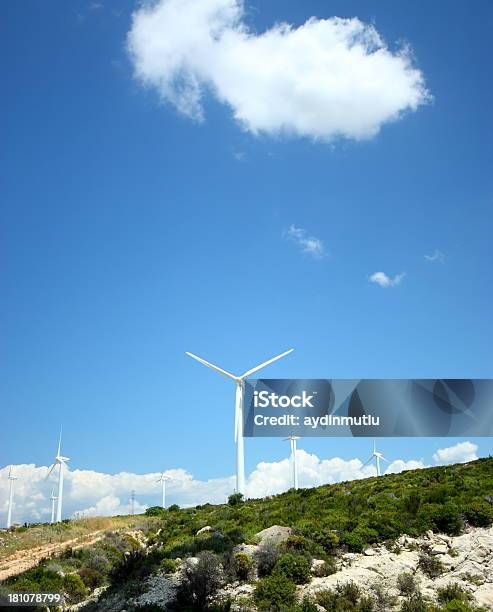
x=25 y=559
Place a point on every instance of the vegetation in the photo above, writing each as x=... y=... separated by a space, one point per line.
x=325 y=521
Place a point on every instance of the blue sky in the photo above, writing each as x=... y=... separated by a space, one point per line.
x=131 y=233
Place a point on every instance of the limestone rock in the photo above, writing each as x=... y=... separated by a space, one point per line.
x=275 y=534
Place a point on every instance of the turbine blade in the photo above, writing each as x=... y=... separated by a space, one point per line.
x=367 y=462
x=383 y=459
x=59 y=442
x=266 y=363
x=212 y=366
x=50 y=471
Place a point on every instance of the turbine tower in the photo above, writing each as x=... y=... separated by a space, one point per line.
x=61 y=461
x=240 y=390
x=53 y=498
x=294 y=465
x=162 y=479
x=11 y=497
x=377 y=455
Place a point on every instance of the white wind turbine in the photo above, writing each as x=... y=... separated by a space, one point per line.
x=294 y=465
x=240 y=389
x=11 y=497
x=162 y=479
x=377 y=455
x=53 y=498
x=61 y=461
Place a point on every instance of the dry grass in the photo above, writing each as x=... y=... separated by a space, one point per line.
x=36 y=536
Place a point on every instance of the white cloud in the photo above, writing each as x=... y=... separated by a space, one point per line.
x=308 y=244
x=437 y=256
x=324 y=79
x=91 y=493
x=382 y=279
x=460 y=453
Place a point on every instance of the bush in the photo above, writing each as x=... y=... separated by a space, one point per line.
x=294 y=567
x=275 y=593
x=354 y=542
x=155 y=511
x=169 y=566
x=416 y=603
x=91 y=578
x=346 y=596
x=452 y=592
x=74 y=588
x=479 y=514
x=406 y=583
x=173 y=508
x=235 y=499
x=266 y=557
x=243 y=565
x=324 y=537
x=200 y=580
x=431 y=566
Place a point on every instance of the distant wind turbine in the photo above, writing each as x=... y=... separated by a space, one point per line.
x=240 y=390
x=11 y=497
x=61 y=461
x=53 y=498
x=293 y=440
x=162 y=479
x=377 y=455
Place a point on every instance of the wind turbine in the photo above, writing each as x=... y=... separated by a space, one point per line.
x=240 y=390
x=61 y=461
x=53 y=497
x=162 y=479
x=377 y=455
x=293 y=440
x=11 y=497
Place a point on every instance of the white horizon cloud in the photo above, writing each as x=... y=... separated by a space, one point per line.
x=382 y=279
x=325 y=79
x=307 y=244
x=437 y=256
x=460 y=453
x=91 y=493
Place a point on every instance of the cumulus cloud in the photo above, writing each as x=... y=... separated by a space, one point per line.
x=460 y=453
x=326 y=78
x=437 y=256
x=90 y=493
x=382 y=279
x=308 y=244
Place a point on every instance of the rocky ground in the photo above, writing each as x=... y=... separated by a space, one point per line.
x=467 y=560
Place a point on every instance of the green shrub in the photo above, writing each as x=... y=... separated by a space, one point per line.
x=155 y=511
x=345 y=596
x=266 y=557
x=452 y=592
x=74 y=588
x=294 y=567
x=169 y=566
x=406 y=583
x=323 y=536
x=91 y=578
x=173 y=508
x=431 y=566
x=200 y=581
x=243 y=565
x=235 y=499
x=479 y=513
x=354 y=541
x=275 y=593
x=416 y=603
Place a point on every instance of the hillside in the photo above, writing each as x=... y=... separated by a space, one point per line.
x=268 y=554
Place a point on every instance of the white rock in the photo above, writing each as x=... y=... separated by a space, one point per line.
x=206 y=529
